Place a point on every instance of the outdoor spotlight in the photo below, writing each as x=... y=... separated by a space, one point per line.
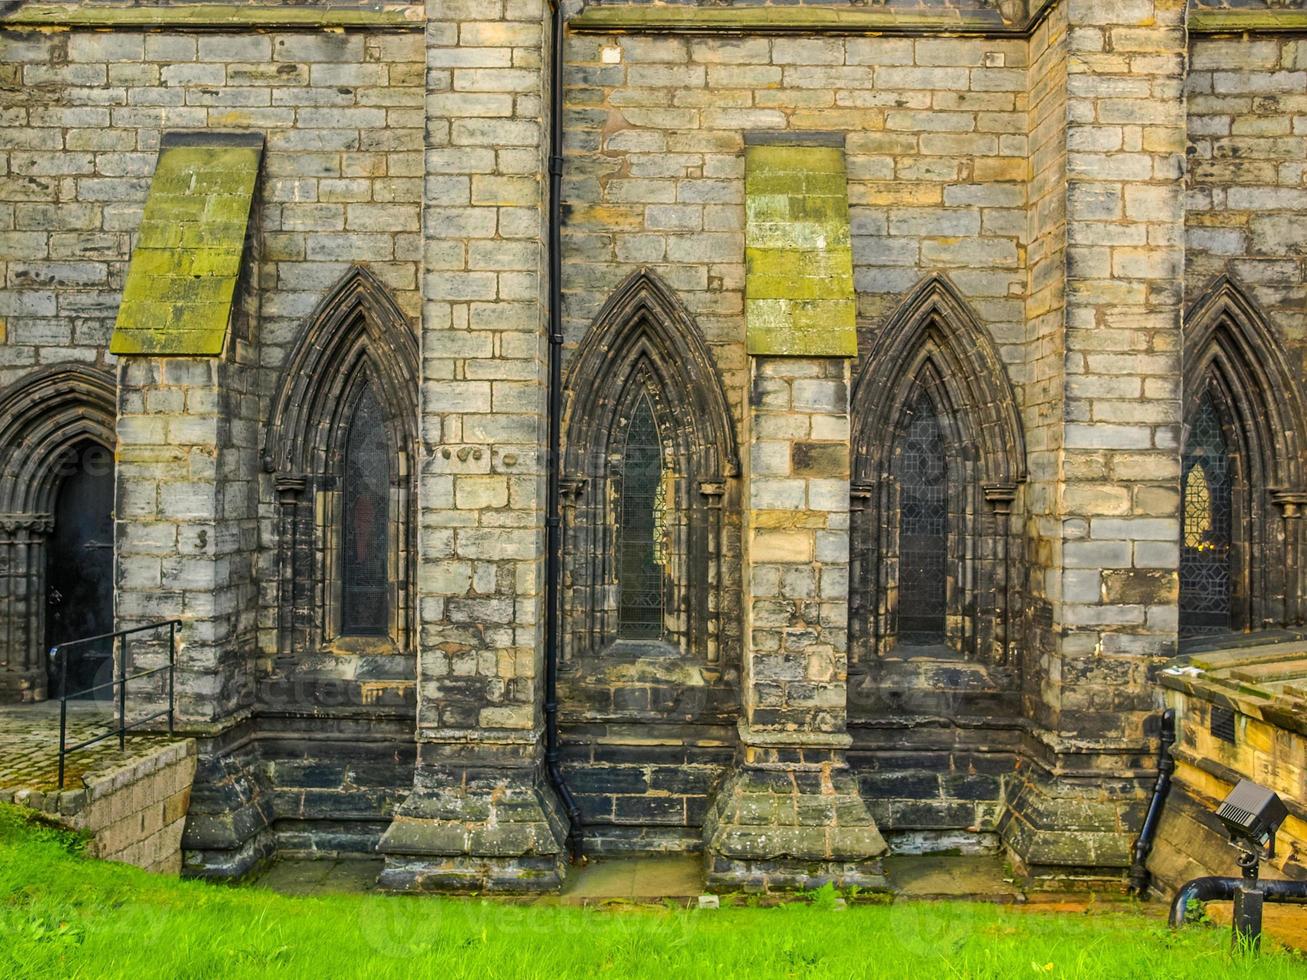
x=1252 y=814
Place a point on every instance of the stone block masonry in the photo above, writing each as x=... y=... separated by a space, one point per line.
x=1027 y=172
x=134 y=810
x=480 y=816
x=790 y=814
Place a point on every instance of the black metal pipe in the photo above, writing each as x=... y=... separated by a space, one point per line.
x=1139 y=876
x=553 y=518
x=1222 y=889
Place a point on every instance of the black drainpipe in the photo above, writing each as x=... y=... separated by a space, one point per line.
x=553 y=520
x=1165 y=767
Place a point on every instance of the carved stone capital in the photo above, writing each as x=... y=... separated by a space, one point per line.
x=31 y=523
x=290 y=486
x=1000 y=496
x=1290 y=502
x=712 y=488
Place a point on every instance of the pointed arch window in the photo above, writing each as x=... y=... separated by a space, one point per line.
x=365 y=573
x=1206 y=477
x=937 y=457
x=340 y=438
x=641 y=530
x=921 y=473
x=1241 y=478
x=648 y=446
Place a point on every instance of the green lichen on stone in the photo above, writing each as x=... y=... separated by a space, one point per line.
x=799 y=297
x=644 y=18
x=182 y=279
x=211 y=15
x=1264 y=20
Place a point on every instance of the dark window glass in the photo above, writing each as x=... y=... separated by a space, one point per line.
x=1206 y=474
x=642 y=520
x=921 y=469
x=366 y=501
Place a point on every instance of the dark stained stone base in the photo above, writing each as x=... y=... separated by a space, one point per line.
x=476 y=824
x=727 y=874
x=278 y=785
x=1065 y=834
x=467 y=874
x=227 y=833
x=791 y=826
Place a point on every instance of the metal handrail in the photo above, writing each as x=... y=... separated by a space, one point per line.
x=119 y=682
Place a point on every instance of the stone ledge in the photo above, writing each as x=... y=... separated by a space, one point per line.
x=215 y=15
x=864 y=21
x=838 y=21
x=1264 y=21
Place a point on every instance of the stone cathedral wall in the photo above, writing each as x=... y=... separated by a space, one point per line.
x=1077 y=174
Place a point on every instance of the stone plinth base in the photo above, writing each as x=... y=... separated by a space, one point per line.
x=1073 y=833
x=473 y=824
x=228 y=827
x=791 y=817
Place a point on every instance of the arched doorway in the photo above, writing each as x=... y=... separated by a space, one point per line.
x=56 y=496
x=79 y=569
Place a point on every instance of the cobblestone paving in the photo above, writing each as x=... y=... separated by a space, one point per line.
x=29 y=745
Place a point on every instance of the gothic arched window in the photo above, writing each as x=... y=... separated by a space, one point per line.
x=339 y=443
x=921 y=472
x=641 y=530
x=365 y=573
x=1242 y=486
x=1206 y=477
x=937 y=456
x=648 y=445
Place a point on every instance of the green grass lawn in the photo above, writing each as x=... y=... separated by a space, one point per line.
x=64 y=915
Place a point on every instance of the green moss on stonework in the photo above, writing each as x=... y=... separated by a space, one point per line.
x=1235 y=21
x=640 y=18
x=210 y=15
x=798 y=255
x=182 y=278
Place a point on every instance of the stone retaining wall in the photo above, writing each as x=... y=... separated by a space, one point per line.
x=134 y=813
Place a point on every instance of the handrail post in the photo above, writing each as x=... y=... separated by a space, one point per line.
x=122 y=693
x=63 y=708
x=172 y=670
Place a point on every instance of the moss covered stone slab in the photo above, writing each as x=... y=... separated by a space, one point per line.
x=181 y=283
x=799 y=297
x=1252 y=20
x=645 y=18
x=210 y=15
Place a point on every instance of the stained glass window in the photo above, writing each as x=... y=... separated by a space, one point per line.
x=366 y=502
x=1206 y=477
x=641 y=528
x=921 y=469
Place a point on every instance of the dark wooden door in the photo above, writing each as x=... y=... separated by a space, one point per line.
x=79 y=570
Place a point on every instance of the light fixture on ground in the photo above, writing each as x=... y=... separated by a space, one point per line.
x=1252 y=815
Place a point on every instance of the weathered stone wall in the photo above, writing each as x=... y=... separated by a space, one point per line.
x=1044 y=370
x=479 y=815
x=1041 y=176
x=1111 y=567
x=342 y=119
x=934 y=134
x=936 y=149
x=1247 y=183
x=133 y=814
x=83 y=112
